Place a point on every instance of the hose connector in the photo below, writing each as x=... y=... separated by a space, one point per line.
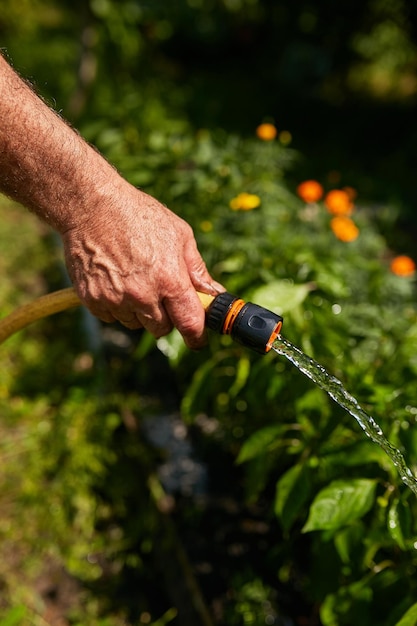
x=247 y=323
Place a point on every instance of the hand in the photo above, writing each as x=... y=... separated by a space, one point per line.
x=129 y=257
x=137 y=262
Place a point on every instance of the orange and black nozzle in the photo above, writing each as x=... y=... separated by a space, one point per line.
x=249 y=324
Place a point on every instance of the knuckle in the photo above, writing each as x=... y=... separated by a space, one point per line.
x=162 y=330
x=191 y=329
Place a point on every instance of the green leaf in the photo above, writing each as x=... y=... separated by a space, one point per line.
x=340 y=503
x=398 y=522
x=409 y=618
x=14 y=617
x=167 y=617
x=197 y=390
x=259 y=442
x=232 y=264
x=172 y=346
x=347 y=540
x=358 y=453
x=348 y=606
x=281 y=295
x=292 y=490
x=313 y=400
x=242 y=374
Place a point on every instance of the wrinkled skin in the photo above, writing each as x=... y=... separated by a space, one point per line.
x=138 y=263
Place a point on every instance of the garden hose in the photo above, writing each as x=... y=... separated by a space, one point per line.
x=247 y=323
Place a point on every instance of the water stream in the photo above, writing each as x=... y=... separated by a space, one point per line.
x=338 y=393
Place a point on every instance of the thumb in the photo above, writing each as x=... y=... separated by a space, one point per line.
x=197 y=270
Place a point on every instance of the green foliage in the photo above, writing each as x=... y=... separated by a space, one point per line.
x=340 y=503
x=343 y=306
x=409 y=618
x=78 y=484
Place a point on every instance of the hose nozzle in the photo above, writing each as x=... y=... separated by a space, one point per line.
x=247 y=323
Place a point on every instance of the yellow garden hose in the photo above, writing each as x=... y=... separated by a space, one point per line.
x=249 y=324
x=35 y=310
x=47 y=305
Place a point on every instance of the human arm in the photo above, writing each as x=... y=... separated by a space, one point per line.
x=130 y=258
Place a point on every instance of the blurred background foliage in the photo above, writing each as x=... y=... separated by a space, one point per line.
x=93 y=529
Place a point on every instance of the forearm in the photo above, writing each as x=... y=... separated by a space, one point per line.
x=44 y=163
x=129 y=257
